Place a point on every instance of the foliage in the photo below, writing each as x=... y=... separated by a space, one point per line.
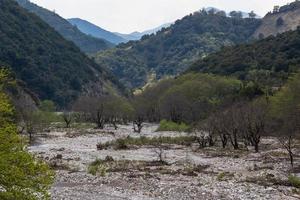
x=85 y=42
x=50 y=66
x=97 y=167
x=173 y=49
x=172 y=126
x=267 y=62
x=21 y=176
x=294 y=181
x=142 y=141
x=188 y=98
x=47 y=106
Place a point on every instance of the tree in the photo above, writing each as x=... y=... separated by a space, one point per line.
x=92 y=109
x=279 y=22
x=47 y=106
x=286 y=111
x=139 y=104
x=235 y=14
x=252 y=14
x=254 y=117
x=276 y=9
x=68 y=118
x=21 y=176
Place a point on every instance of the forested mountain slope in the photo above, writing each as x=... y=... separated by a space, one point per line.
x=85 y=42
x=268 y=61
x=173 y=49
x=282 y=19
x=50 y=66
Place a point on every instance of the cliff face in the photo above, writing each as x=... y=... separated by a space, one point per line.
x=281 y=20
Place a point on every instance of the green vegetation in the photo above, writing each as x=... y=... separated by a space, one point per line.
x=143 y=141
x=173 y=49
x=188 y=98
x=268 y=62
x=85 y=42
x=49 y=65
x=97 y=167
x=294 y=181
x=22 y=177
x=172 y=126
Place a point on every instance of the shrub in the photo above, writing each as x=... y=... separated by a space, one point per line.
x=97 y=167
x=125 y=143
x=172 y=126
x=294 y=181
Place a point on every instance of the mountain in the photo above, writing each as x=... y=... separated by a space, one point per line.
x=95 y=31
x=282 y=19
x=172 y=50
x=50 y=66
x=115 y=38
x=139 y=35
x=267 y=62
x=86 y=43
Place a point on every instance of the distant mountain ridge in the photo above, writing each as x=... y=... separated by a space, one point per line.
x=86 y=43
x=113 y=37
x=138 y=35
x=95 y=31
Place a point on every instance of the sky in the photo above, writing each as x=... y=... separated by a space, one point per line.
x=126 y=16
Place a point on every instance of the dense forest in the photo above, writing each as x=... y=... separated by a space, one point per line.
x=51 y=66
x=86 y=43
x=173 y=49
x=267 y=62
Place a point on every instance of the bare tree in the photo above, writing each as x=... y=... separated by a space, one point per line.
x=68 y=118
x=92 y=108
x=253 y=121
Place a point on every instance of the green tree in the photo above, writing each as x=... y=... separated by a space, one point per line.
x=22 y=177
x=286 y=110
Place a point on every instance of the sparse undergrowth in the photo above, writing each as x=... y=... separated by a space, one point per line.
x=102 y=167
x=267 y=180
x=294 y=181
x=143 y=141
x=172 y=126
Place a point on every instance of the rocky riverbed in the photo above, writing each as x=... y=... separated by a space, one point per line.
x=188 y=172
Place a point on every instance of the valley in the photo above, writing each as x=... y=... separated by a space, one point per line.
x=205 y=107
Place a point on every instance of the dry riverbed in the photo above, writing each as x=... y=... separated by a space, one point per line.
x=189 y=172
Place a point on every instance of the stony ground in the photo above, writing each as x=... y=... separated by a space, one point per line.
x=220 y=174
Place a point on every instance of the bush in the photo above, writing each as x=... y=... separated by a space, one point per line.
x=97 y=167
x=142 y=141
x=172 y=126
x=294 y=181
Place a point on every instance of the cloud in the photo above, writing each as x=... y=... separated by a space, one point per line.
x=137 y=15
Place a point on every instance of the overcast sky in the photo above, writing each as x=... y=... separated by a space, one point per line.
x=126 y=16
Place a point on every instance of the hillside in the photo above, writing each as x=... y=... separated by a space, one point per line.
x=173 y=49
x=95 y=31
x=50 y=66
x=282 y=19
x=85 y=42
x=268 y=61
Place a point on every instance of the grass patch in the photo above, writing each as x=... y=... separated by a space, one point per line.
x=267 y=180
x=172 y=126
x=223 y=176
x=126 y=143
x=98 y=167
x=102 y=167
x=294 y=181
